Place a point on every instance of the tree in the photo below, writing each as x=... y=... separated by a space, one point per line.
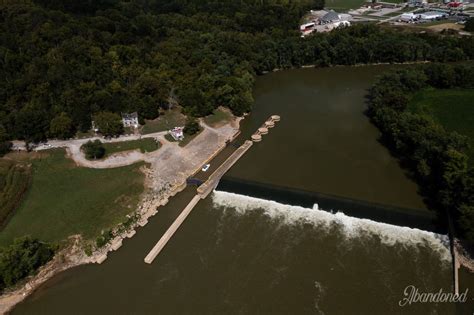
x=5 y=144
x=31 y=125
x=469 y=26
x=109 y=124
x=22 y=259
x=466 y=221
x=93 y=149
x=191 y=127
x=61 y=127
x=437 y=157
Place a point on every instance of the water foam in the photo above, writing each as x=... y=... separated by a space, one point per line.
x=351 y=227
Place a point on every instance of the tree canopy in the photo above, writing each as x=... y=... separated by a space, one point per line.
x=61 y=127
x=108 y=123
x=437 y=157
x=469 y=26
x=93 y=149
x=81 y=57
x=22 y=259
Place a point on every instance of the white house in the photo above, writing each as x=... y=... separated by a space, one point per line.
x=130 y=120
x=177 y=133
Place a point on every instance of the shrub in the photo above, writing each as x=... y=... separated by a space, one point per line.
x=104 y=238
x=109 y=124
x=93 y=149
x=192 y=127
x=22 y=259
x=469 y=26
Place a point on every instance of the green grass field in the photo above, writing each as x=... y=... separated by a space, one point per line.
x=346 y=5
x=343 y=5
x=454 y=109
x=144 y=145
x=64 y=199
x=186 y=139
x=14 y=182
x=218 y=118
x=172 y=118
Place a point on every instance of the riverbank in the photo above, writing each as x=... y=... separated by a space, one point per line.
x=354 y=65
x=70 y=256
x=166 y=176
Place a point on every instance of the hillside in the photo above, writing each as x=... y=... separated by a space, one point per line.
x=65 y=61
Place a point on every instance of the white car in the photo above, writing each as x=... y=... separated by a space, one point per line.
x=206 y=167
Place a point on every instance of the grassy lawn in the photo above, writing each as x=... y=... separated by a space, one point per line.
x=452 y=108
x=144 y=145
x=172 y=118
x=186 y=139
x=218 y=118
x=87 y=134
x=394 y=1
x=64 y=199
x=432 y=23
x=14 y=182
x=169 y=138
x=393 y=14
x=343 y=5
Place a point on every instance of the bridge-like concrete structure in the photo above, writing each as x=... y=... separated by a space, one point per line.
x=208 y=186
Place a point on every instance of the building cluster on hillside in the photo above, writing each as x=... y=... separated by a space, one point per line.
x=443 y=3
x=412 y=11
x=324 y=21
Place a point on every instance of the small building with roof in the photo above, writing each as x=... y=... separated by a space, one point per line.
x=130 y=120
x=432 y=15
x=330 y=17
x=177 y=133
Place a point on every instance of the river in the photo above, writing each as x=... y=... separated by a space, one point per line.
x=237 y=254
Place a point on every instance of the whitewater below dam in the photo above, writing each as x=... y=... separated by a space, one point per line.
x=327 y=222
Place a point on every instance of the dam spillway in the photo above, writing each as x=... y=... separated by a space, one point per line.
x=413 y=218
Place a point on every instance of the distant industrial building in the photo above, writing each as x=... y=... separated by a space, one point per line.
x=307 y=26
x=330 y=17
x=432 y=15
x=324 y=21
x=417 y=3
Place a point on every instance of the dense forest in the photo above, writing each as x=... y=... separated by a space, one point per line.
x=65 y=61
x=437 y=157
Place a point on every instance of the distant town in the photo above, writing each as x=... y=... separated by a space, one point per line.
x=438 y=15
